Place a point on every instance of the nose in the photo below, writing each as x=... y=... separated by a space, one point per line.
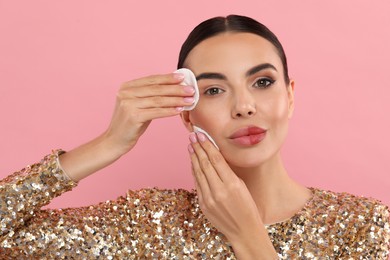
x=244 y=105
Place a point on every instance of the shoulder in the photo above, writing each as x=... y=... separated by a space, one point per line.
x=359 y=225
x=346 y=205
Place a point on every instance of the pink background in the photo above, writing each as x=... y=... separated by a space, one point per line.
x=61 y=64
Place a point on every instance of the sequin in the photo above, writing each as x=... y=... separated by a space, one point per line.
x=168 y=224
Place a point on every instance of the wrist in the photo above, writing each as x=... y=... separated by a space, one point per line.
x=115 y=147
x=88 y=158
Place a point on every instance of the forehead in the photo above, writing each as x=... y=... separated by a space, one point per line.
x=232 y=50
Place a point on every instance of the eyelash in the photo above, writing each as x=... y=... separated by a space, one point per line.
x=268 y=82
x=208 y=91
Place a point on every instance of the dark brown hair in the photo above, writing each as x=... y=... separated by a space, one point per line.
x=231 y=23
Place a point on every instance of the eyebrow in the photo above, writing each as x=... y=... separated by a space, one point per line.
x=250 y=72
x=260 y=67
x=208 y=75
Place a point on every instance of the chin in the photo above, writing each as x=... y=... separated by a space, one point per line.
x=246 y=160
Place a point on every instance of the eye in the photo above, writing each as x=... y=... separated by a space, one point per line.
x=214 y=91
x=264 y=83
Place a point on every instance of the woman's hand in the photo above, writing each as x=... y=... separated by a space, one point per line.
x=226 y=201
x=138 y=103
x=142 y=100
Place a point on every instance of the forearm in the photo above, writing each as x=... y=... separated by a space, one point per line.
x=26 y=191
x=88 y=158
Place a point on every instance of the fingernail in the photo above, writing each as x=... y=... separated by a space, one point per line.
x=178 y=76
x=179 y=109
x=190 y=149
x=189 y=100
x=201 y=136
x=189 y=89
x=193 y=138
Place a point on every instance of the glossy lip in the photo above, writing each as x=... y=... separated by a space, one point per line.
x=249 y=130
x=248 y=136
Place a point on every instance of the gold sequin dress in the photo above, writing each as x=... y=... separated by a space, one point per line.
x=168 y=224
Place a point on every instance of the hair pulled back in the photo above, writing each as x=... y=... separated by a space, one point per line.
x=231 y=23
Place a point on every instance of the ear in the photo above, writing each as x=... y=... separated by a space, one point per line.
x=185 y=117
x=290 y=95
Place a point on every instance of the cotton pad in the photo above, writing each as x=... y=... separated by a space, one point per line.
x=189 y=80
x=198 y=129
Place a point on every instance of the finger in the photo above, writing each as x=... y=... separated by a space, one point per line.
x=200 y=178
x=159 y=101
x=204 y=163
x=208 y=200
x=200 y=195
x=216 y=159
x=197 y=187
x=170 y=78
x=144 y=115
x=157 y=90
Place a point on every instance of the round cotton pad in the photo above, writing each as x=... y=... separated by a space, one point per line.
x=198 y=129
x=189 y=80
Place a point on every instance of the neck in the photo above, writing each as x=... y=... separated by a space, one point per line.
x=277 y=196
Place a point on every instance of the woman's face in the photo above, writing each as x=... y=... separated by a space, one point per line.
x=242 y=89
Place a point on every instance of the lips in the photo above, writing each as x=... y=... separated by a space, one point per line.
x=248 y=135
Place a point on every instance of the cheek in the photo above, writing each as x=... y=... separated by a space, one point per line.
x=276 y=109
x=203 y=118
x=196 y=116
x=206 y=117
x=278 y=121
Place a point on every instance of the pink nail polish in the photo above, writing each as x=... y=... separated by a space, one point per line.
x=190 y=149
x=201 y=136
x=179 y=109
x=189 y=89
x=189 y=100
x=193 y=138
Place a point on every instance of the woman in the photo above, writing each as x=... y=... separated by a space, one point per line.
x=245 y=205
